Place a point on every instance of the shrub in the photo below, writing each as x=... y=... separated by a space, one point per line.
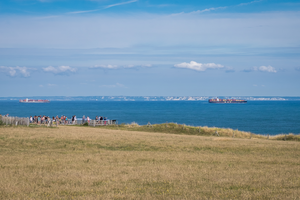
x=85 y=124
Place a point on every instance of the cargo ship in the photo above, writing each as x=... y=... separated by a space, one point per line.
x=217 y=100
x=33 y=101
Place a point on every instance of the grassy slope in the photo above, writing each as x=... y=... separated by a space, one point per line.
x=201 y=131
x=91 y=163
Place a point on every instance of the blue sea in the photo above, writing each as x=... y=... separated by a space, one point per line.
x=260 y=117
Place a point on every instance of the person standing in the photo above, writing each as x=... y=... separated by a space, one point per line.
x=57 y=120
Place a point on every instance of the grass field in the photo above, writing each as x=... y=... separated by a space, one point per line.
x=102 y=163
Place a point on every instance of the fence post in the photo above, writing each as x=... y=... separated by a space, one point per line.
x=284 y=137
x=27 y=121
x=199 y=129
x=268 y=136
x=233 y=134
x=250 y=135
x=94 y=123
x=166 y=124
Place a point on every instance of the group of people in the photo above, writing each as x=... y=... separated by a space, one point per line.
x=63 y=119
x=38 y=119
x=88 y=119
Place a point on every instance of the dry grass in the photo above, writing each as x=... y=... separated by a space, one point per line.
x=201 y=131
x=97 y=163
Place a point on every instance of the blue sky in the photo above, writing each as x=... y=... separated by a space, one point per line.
x=149 y=47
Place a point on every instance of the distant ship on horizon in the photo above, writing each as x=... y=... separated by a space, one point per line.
x=33 y=101
x=217 y=100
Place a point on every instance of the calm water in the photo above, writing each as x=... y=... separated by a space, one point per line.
x=261 y=117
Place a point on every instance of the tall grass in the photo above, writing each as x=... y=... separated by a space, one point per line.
x=174 y=128
x=1 y=122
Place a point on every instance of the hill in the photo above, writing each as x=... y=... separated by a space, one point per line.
x=91 y=163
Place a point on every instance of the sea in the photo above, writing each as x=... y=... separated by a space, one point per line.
x=259 y=115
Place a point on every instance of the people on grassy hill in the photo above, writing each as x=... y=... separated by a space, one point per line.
x=43 y=119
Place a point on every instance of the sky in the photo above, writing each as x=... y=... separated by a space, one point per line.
x=149 y=48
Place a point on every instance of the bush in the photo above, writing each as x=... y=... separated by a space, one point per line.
x=1 y=123
x=85 y=124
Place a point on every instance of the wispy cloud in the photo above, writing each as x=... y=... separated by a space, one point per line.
x=83 y=11
x=119 y=67
x=119 y=4
x=208 y=10
x=223 y=7
x=117 y=85
x=12 y=71
x=198 y=66
x=60 y=69
x=229 y=69
x=262 y=69
x=251 y=2
x=104 y=67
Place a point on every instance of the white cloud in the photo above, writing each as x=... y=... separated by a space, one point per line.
x=119 y=4
x=60 y=69
x=23 y=71
x=262 y=69
x=12 y=71
x=267 y=69
x=198 y=66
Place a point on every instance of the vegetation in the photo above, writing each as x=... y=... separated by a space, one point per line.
x=72 y=162
x=201 y=131
x=1 y=122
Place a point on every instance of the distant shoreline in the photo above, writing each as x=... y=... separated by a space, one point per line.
x=152 y=98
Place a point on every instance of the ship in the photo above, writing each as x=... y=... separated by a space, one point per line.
x=217 y=100
x=33 y=101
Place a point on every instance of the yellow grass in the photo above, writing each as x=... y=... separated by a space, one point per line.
x=201 y=131
x=96 y=163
